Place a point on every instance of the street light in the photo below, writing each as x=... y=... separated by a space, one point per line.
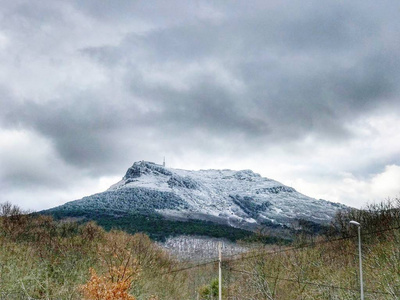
x=359 y=256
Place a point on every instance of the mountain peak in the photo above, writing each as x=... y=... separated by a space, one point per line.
x=145 y=167
x=241 y=199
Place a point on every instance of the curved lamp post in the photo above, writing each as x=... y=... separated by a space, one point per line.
x=359 y=256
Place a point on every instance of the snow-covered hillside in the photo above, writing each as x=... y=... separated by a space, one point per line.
x=241 y=199
x=196 y=247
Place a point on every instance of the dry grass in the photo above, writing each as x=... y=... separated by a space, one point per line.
x=44 y=259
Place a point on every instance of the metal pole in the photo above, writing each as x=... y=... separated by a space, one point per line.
x=220 y=272
x=360 y=259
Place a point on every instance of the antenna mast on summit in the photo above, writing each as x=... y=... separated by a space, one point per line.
x=163 y=162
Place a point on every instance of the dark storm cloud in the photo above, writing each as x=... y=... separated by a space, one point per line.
x=156 y=12
x=293 y=66
x=256 y=74
x=311 y=73
x=82 y=130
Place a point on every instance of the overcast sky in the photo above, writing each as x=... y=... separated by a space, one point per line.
x=303 y=92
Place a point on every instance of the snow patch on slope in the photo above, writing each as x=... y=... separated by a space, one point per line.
x=242 y=196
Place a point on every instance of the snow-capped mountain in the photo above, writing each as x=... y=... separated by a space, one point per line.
x=241 y=199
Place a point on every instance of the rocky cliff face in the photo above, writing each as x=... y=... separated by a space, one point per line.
x=242 y=199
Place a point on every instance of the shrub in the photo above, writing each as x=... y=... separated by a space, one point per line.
x=112 y=286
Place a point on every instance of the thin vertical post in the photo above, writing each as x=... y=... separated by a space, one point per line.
x=360 y=260
x=220 y=272
x=359 y=257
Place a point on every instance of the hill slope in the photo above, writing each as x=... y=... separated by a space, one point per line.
x=232 y=199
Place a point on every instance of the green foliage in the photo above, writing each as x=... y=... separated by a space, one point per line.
x=209 y=291
x=154 y=225
x=266 y=239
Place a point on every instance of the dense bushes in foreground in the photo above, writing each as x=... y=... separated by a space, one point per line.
x=326 y=267
x=45 y=259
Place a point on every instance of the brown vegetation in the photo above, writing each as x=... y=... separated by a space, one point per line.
x=44 y=259
x=113 y=286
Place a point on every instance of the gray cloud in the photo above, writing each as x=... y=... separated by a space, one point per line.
x=291 y=82
x=106 y=82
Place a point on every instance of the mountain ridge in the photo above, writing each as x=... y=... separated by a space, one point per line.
x=239 y=199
